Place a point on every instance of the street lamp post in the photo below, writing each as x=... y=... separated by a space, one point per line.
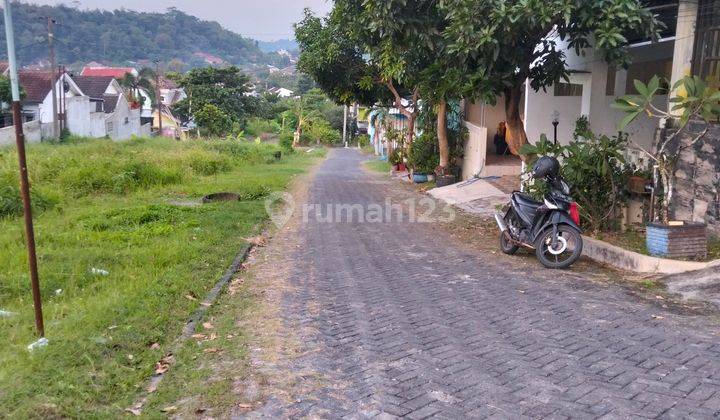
x=555 y=122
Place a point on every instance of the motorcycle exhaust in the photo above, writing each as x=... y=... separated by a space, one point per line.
x=500 y=222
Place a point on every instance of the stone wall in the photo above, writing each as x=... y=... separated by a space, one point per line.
x=697 y=195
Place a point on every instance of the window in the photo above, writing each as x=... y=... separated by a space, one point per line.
x=645 y=71
x=109 y=127
x=127 y=120
x=568 y=89
x=610 y=86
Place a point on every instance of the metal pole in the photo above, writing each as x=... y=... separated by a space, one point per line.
x=53 y=79
x=345 y=115
x=24 y=183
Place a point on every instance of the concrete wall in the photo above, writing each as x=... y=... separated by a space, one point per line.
x=83 y=120
x=124 y=122
x=32 y=131
x=697 y=195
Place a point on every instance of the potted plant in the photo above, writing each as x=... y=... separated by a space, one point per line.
x=423 y=158
x=445 y=176
x=700 y=103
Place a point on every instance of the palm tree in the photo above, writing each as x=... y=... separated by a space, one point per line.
x=145 y=80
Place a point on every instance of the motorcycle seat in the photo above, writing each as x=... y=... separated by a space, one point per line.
x=526 y=201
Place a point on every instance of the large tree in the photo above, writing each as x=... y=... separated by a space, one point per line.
x=224 y=88
x=503 y=43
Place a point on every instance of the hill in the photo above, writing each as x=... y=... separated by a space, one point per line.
x=280 y=44
x=124 y=35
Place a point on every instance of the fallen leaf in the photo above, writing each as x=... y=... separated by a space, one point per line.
x=212 y=337
x=659 y=297
x=208 y=326
x=212 y=350
x=169 y=409
x=229 y=336
x=206 y=304
x=521 y=291
x=244 y=406
x=155 y=346
x=199 y=336
x=257 y=240
x=190 y=297
x=658 y=317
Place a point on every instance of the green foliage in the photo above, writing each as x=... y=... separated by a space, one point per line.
x=6 y=90
x=595 y=169
x=11 y=204
x=320 y=131
x=286 y=141
x=224 y=89
x=363 y=140
x=256 y=127
x=213 y=121
x=501 y=44
x=423 y=157
x=330 y=55
x=125 y=35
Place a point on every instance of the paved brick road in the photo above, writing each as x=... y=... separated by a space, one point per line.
x=407 y=323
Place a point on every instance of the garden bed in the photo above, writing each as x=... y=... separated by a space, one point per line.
x=633 y=240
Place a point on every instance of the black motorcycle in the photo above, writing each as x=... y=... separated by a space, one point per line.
x=551 y=228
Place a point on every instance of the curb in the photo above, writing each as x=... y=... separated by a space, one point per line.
x=623 y=259
x=189 y=327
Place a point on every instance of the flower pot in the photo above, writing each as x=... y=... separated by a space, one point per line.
x=419 y=178
x=677 y=240
x=445 y=180
x=401 y=167
x=430 y=177
x=637 y=184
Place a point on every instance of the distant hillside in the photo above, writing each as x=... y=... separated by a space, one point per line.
x=280 y=44
x=125 y=35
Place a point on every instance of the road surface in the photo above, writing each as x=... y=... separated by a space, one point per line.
x=400 y=319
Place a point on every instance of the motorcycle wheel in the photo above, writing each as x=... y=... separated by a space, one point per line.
x=568 y=249
x=506 y=245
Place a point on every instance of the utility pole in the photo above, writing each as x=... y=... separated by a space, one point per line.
x=53 y=79
x=157 y=97
x=24 y=183
x=345 y=115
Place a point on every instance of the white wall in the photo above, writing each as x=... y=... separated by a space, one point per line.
x=31 y=130
x=603 y=119
x=82 y=120
x=123 y=123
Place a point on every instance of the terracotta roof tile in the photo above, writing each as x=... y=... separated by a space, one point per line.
x=36 y=84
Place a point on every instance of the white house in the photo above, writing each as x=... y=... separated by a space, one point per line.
x=121 y=119
x=592 y=87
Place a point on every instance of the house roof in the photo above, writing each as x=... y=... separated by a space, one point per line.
x=93 y=86
x=36 y=84
x=4 y=65
x=116 y=72
x=111 y=102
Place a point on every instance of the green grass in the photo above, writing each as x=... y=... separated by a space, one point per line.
x=108 y=206
x=378 y=165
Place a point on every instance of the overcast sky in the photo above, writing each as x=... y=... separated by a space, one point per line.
x=266 y=20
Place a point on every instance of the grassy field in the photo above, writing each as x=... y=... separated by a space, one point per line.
x=123 y=256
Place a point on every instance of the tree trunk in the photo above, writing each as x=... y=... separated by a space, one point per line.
x=667 y=176
x=410 y=131
x=515 y=135
x=442 y=134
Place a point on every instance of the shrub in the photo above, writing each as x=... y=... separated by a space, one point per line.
x=256 y=127
x=245 y=151
x=320 y=131
x=363 y=140
x=286 y=141
x=423 y=157
x=595 y=169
